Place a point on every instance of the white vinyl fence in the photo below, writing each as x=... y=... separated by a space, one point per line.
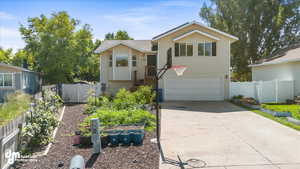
x=76 y=93
x=264 y=91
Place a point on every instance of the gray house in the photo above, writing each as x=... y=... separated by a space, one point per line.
x=14 y=78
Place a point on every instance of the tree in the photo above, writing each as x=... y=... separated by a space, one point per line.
x=60 y=48
x=120 y=35
x=22 y=58
x=263 y=27
x=6 y=55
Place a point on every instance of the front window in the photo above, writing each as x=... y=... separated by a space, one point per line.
x=207 y=49
x=110 y=61
x=121 y=61
x=183 y=49
x=134 y=61
x=6 y=79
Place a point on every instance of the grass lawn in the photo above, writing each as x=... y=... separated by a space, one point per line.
x=15 y=105
x=293 y=108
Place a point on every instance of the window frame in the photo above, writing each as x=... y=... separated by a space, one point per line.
x=122 y=56
x=213 y=45
x=110 y=63
x=2 y=82
x=134 y=61
x=178 y=46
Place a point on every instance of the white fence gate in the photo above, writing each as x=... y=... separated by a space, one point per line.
x=264 y=91
x=76 y=93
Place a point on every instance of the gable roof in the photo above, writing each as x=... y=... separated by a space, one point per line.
x=139 y=45
x=15 y=67
x=191 y=23
x=285 y=55
x=198 y=32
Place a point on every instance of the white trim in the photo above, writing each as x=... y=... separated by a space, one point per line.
x=196 y=31
x=122 y=43
x=275 y=62
x=157 y=57
x=113 y=63
x=130 y=63
x=197 y=23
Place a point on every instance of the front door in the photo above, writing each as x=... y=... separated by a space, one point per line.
x=151 y=64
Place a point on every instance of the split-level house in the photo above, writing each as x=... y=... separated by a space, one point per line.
x=204 y=50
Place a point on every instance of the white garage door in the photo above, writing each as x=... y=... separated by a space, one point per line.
x=194 y=89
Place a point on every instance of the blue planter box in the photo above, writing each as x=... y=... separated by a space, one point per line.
x=126 y=136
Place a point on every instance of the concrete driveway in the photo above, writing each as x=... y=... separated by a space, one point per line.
x=225 y=136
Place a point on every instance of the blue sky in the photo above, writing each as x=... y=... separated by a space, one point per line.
x=142 y=19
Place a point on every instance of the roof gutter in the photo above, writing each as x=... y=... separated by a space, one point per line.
x=275 y=63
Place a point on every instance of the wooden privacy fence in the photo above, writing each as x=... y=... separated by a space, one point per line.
x=9 y=138
x=264 y=91
x=76 y=93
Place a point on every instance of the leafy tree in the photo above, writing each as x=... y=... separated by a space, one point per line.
x=60 y=48
x=120 y=35
x=6 y=55
x=22 y=57
x=263 y=27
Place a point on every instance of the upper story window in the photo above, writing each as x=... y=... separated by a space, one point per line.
x=207 y=49
x=183 y=49
x=6 y=79
x=134 y=61
x=122 y=61
x=110 y=61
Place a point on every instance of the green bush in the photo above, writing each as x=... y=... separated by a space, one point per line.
x=144 y=95
x=124 y=100
x=42 y=121
x=15 y=104
x=109 y=118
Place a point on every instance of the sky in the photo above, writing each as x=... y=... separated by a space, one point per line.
x=142 y=19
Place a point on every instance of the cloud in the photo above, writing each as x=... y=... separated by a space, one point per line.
x=10 y=38
x=6 y=16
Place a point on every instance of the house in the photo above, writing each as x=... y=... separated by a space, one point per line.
x=14 y=78
x=283 y=65
x=204 y=50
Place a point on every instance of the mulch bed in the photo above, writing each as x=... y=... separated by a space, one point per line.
x=145 y=156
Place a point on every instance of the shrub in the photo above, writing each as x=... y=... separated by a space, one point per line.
x=42 y=121
x=109 y=118
x=16 y=104
x=124 y=99
x=144 y=95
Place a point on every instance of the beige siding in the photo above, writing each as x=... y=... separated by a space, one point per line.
x=106 y=75
x=287 y=71
x=198 y=66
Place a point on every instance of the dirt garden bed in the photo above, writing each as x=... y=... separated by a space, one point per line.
x=145 y=156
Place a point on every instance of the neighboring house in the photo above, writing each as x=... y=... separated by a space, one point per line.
x=283 y=65
x=14 y=78
x=204 y=50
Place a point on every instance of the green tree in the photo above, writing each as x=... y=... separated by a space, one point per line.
x=263 y=27
x=59 y=45
x=120 y=35
x=22 y=57
x=6 y=55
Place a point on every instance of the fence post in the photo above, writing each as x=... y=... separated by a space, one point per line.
x=1 y=152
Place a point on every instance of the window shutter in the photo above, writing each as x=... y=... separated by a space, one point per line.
x=214 y=49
